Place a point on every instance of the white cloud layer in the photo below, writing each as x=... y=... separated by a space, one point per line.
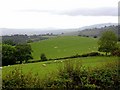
x=55 y=13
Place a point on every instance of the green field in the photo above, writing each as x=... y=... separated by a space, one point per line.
x=52 y=66
x=53 y=72
x=62 y=46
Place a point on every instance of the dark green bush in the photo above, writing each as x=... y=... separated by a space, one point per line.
x=95 y=36
x=91 y=54
x=43 y=57
x=94 y=54
x=16 y=79
x=70 y=77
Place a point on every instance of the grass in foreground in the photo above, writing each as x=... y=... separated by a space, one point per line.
x=71 y=76
x=45 y=68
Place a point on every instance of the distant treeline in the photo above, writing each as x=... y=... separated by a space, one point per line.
x=20 y=38
x=96 y=32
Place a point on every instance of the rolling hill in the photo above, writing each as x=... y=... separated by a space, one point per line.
x=63 y=46
x=93 y=30
x=98 y=31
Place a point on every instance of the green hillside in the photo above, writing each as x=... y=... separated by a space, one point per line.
x=62 y=46
x=48 y=74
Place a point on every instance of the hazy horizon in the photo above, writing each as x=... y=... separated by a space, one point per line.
x=32 y=31
x=56 y=14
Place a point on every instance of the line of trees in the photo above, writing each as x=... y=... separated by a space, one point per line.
x=16 y=54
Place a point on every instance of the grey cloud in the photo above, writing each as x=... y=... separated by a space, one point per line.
x=105 y=11
x=92 y=12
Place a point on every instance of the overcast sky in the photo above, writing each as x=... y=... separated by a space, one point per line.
x=56 y=13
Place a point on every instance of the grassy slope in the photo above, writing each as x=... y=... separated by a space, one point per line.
x=64 y=46
x=52 y=66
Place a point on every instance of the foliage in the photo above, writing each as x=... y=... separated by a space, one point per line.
x=15 y=79
x=95 y=36
x=23 y=52
x=12 y=54
x=91 y=54
x=29 y=41
x=70 y=76
x=8 y=53
x=107 y=42
x=9 y=42
x=52 y=65
x=43 y=57
x=88 y=79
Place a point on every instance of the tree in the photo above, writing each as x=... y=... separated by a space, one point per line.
x=30 y=41
x=9 y=42
x=23 y=52
x=8 y=53
x=43 y=57
x=95 y=36
x=107 y=42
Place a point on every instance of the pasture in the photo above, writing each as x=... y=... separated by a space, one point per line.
x=63 y=46
x=95 y=72
x=44 y=69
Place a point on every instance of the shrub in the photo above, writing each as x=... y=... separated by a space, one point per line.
x=91 y=54
x=43 y=57
x=71 y=77
x=94 y=54
x=30 y=41
x=106 y=78
x=8 y=55
x=95 y=36
x=17 y=79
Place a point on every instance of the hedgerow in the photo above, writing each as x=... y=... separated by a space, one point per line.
x=71 y=76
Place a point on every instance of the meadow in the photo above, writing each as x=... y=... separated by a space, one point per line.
x=63 y=46
x=45 y=68
x=49 y=71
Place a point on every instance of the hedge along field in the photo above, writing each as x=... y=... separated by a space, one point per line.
x=44 y=69
x=63 y=46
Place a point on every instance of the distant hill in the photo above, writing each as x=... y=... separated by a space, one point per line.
x=71 y=31
x=98 y=31
x=92 y=28
x=98 y=26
